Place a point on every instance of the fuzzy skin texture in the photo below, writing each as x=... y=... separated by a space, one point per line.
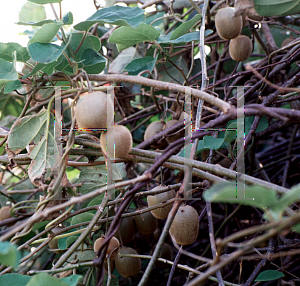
x=145 y=222
x=185 y=226
x=177 y=135
x=127 y=266
x=5 y=213
x=118 y=137
x=154 y=128
x=126 y=230
x=240 y=48
x=93 y=109
x=228 y=26
x=112 y=247
x=162 y=212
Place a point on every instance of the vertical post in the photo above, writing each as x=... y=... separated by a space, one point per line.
x=57 y=135
x=187 y=135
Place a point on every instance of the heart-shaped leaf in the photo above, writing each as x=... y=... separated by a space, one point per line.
x=117 y=15
x=6 y=51
x=126 y=37
x=9 y=255
x=139 y=65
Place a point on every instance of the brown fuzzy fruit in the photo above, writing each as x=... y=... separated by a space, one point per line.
x=5 y=213
x=154 y=128
x=177 y=135
x=240 y=48
x=93 y=109
x=228 y=26
x=127 y=266
x=117 y=140
x=287 y=41
x=182 y=115
x=162 y=212
x=112 y=247
x=145 y=222
x=165 y=252
x=185 y=226
x=126 y=230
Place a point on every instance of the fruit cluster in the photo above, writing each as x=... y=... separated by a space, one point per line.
x=184 y=231
x=95 y=111
x=158 y=126
x=229 y=27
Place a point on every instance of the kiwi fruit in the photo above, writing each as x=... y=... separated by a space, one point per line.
x=185 y=226
x=240 y=48
x=177 y=135
x=112 y=246
x=165 y=252
x=145 y=222
x=228 y=26
x=94 y=110
x=154 y=128
x=116 y=141
x=182 y=115
x=287 y=41
x=162 y=212
x=126 y=230
x=5 y=213
x=127 y=266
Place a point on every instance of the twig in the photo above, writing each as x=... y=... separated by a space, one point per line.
x=279 y=88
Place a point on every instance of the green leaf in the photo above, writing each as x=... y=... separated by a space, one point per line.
x=10 y=105
x=123 y=59
x=173 y=71
x=8 y=71
x=71 y=280
x=43 y=279
x=152 y=17
x=34 y=128
x=90 y=42
x=12 y=85
x=46 y=33
x=45 y=53
x=117 y=15
x=189 y=37
x=14 y=279
x=35 y=24
x=139 y=65
x=255 y=196
x=95 y=176
x=42 y=2
x=269 y=275
x=83 y=217
x=277 y=7
x=96 y=201
x=262 y=125
x=128 y=36
x=185 y=27
x=92 y=61
x=32 y=12
x=293 y=196
x=64 y=242
x=9 y=255
x=213 y=143
x=46 y=68
x=68 y=19
x=39 y=225
x=230 y=135
x=87 y=56
x=6 y=51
